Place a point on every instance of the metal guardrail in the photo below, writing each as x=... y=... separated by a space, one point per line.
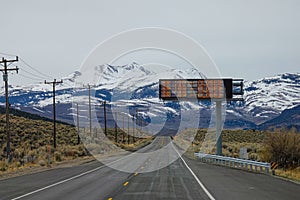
x=234 y=162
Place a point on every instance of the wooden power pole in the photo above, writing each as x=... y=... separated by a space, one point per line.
x=105 y=125
x=78 y=130
x=90 y=109
x=54 y=109
x=5 y=79
x=116 y=127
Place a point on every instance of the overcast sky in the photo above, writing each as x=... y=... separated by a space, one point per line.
x=247 y=39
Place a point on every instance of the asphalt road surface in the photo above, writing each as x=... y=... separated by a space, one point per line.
x=182 y=179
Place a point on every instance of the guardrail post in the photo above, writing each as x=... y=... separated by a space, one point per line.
x=234 y=162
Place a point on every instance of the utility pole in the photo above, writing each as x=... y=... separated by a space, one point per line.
x=90 y=106
x=90 y=109
x=116 y=127
x=135 y=124
x=123 y=127
x=128 y=130
x=128 y=135
x=219 y=127
x=78 y=131
x=5 y=79
x=104 y=110
x=128 y=118
x=54 y=109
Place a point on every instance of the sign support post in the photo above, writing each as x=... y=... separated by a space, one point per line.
x=219 y=127
x=216 y=90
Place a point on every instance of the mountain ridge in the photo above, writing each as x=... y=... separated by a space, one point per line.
x=264 y=99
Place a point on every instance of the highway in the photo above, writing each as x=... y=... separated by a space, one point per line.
x=182 y=179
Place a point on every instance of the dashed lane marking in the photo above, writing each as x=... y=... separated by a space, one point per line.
x=125 y=184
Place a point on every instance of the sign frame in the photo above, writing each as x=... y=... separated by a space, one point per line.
x=201 y=91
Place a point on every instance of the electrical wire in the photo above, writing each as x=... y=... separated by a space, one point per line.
x=29 y=74
x=31 y=78
x=41 y=74
x=44 y=75
x=34 y=75
x=6 y=54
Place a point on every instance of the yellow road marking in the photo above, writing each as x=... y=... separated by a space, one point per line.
x=135 y=174
x=110 y=199
x=126 y=183
x=142 y=167
x=163 y=141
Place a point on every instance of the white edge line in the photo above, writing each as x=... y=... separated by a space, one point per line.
x=58 y=183
x=63 y=181
x=197 y=179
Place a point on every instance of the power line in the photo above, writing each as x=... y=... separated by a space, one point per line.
x=6 y=54
x=31 y=78
x=44 y=75
x=39 y=74
x=35 y=76
x=30 y=75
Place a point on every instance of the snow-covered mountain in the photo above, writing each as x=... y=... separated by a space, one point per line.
x=273 y=94
x=266 y=98
x=133 y=85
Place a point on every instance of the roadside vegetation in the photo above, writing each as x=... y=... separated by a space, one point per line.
x=31 y=144
x=281 y=146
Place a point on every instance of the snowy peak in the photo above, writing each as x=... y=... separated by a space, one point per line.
x=133 y=76
x=292 y=78
x=110 y=71
x=269 y=96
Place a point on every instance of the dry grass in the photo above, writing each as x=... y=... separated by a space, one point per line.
x=293 y=174
x=280 y=145
x=31 y=144
x=233 y=140
x=284 y=148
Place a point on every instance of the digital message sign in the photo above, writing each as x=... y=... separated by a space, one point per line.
x=201 y=89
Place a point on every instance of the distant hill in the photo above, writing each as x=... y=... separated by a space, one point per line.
x=289 y=118
x=27 y=115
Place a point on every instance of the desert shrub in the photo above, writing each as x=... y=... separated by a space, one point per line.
x=265 y=155
x=42 y=163
x=57 y=156
x=3 y=166
x=284 y=148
